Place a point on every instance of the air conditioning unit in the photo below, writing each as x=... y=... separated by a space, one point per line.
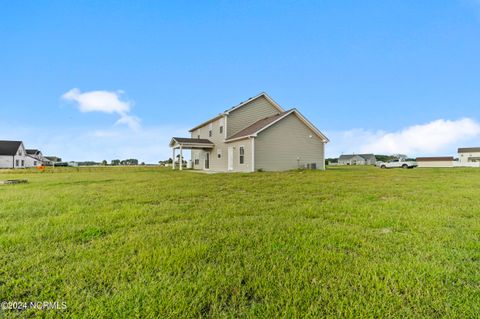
x=312 y=166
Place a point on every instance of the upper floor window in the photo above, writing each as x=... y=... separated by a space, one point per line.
x=210 y=130
x=242 y=155
x=222 y=124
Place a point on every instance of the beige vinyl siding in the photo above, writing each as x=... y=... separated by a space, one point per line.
x=435 y=163
x=277 y=148
x=216 y=164
x=249 y=114
x=247 y=165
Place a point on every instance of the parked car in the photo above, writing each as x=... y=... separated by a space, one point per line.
x=397 y=163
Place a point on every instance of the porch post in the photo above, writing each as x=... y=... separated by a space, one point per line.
x=173 y=158
x=181 y=158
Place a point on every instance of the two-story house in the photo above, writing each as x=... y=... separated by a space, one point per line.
x=257 y=134
x=12 y=154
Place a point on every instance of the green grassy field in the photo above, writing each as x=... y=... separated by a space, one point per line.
x=149 y=242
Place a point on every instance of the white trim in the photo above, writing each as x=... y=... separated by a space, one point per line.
x=187 y=145
x=225 y=126
x=230 y=158
x=253 y=154
x=238 y=138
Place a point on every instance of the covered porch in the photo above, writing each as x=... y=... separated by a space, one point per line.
x=184 y=143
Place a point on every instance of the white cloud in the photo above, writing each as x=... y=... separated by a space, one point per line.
x=129 y=120
x=106 y=102
x=435 y=138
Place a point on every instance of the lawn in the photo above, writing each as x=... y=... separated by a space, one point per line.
x=150 y=242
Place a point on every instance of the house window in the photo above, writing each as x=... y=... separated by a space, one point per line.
x=197 y=161
x=198 y=136
x=221 y=129
x=34 y=163
x=242 y=155
x=210 y=130
x=17 y=162
x=219 y=153
x=23 y=163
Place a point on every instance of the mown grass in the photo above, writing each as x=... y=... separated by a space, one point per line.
x=149 y=242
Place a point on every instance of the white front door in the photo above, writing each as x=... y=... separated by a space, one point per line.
x=230 y=158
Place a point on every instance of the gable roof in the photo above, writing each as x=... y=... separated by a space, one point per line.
x=263 y=124
x=469 y=149
x=241 y=104
x=32 y=152
x=257 y=126
x=186 y=141
x=263 y=94
x=350 y=156
x=9 y=148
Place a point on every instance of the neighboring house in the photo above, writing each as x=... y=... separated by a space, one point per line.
x=445 y=161
x=257 y=134
x=12 y=154
x=469 y=154
x=34 y=158
x=55 y=161
x=357 y=159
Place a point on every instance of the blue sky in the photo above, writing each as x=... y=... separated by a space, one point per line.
x=372 y=75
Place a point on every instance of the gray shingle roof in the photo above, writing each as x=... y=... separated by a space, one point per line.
x=9 y=147
x=32 y=152
x=469 y=149
x=192 y=140
x=350 y=156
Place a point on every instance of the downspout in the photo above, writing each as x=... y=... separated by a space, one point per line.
x=253 y=153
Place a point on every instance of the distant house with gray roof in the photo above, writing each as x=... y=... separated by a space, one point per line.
x=357 y=159
x=12 y=154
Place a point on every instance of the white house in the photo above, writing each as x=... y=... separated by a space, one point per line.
x=469 y=154
x=34 y=158
x=12 y=154
x=357 y=159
